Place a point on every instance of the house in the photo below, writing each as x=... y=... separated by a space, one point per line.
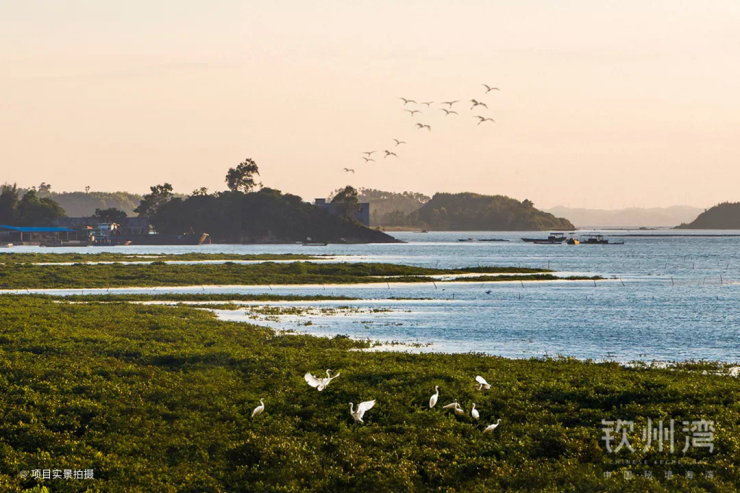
x=129 y=226
x=362 y=215
x=32 y=235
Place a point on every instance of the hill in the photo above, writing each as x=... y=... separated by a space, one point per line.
x=633 y=217
x=385 y=206
x=266 y=216
x=722 y=216
x=82 y=204
x=475 y=212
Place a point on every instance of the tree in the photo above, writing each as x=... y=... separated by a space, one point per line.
x=200 y=192
x=9 y=204
x=110 y=215
x=33 y=211
x=44 y=187
x=161 y=194
x=346 y=203
x=242 y=177
x=87 y=189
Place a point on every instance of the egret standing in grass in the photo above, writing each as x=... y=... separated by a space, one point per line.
x=258 y=410
x=433 y=399
x=474 y=412
x=361 y=408
x=492 y=427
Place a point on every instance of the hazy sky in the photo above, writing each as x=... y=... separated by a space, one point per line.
x=602 y=103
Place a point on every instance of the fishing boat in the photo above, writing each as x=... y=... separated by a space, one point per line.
x=553 y=238
x=492 y=239
x=573 y=241
x=465 y=239
x=599 y=240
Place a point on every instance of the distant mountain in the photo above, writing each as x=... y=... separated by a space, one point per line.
x=392 y=204
x=80 y=204
x=628 y=218
x=475 y=212
x=722 y=216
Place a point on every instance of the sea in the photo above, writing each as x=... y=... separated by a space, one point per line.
x=663 y=297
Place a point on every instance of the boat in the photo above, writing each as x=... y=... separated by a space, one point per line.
x=492 y=239
x=314 y=243
x=573 y=241
x=553 y=238
x=6 y=245
x=599 y=240
x=465 y=239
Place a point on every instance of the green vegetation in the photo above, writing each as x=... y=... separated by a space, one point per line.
x=22 y=276
x=158 y=399
x=475 y=212
x=32 y=258
x=722 y=216
x=390 y=208
x=29 y=210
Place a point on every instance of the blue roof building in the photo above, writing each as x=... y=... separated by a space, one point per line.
x=34 y=235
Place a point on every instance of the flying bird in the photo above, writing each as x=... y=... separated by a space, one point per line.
x=435 y=396
x=348 y=170
x=320 y=383
x=421 y=125
x=406 y=101
x=361 y=408
x=482 y=383
x=428 y=103
x=448 y=112
x=474 y=412
x=451 y=102
x=367 y=159
x=492 y=427
x=489 y=88
x=389 y=153
x=258 y=410
x=399 y=142
x=482 y=119
x=477 y=103
x=369 y=153
x=413 y=112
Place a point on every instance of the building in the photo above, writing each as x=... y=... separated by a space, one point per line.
x=362 y=215
x=29 y=235
x=129 y=226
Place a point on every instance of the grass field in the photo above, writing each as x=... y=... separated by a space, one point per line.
x=159 y=398
x=83 y=275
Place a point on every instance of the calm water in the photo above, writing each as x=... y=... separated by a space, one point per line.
x=672 y=298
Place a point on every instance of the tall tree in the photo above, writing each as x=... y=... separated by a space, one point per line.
x=110 y=215
x=160 y=194
x=346 y=203
x=242 y=177
x=9 y=203
x=33 y=211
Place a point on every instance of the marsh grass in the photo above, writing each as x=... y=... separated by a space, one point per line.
x=158 y=399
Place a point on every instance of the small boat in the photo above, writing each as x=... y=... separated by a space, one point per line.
x=573 y=241
x=546 y=242
x=553 y=238
x=6 y=245
x=492 y=239
x=465 y=239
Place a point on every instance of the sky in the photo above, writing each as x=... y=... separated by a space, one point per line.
x=602 y=104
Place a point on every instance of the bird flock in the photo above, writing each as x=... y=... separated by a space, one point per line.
x=358 y=413
x=410 y=106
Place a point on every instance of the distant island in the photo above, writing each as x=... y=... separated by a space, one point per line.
x=473 y=212
x=632 y=217
x=722 y=216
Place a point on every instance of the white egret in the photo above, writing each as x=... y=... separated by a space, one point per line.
x=451 y=405
x=459 y=411
x=258 y=410
x=482 y=383
x=492 y=427
x=474 y=412
x=320 y=383
x=361 y=408
x=433 y=399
